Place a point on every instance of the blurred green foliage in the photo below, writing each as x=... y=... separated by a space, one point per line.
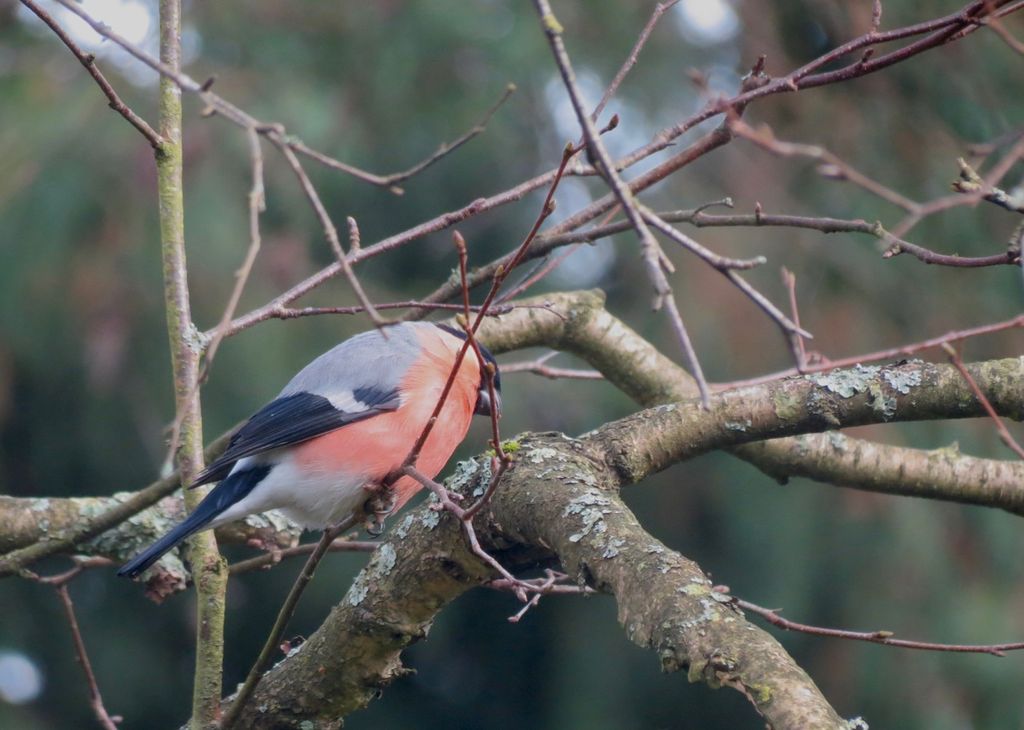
x=85 y=391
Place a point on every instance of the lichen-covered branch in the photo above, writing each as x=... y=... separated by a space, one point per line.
x=646 y=442
x=579 y=324
x=942 y=473
x=64 y=526
x=30 y=521
x=425 y=565
x=560 y=495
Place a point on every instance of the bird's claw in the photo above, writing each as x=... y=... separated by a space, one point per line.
x=378 y=509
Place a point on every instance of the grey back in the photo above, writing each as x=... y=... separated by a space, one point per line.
x=364 y=362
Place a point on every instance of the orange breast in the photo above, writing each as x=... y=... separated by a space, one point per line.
x=377 y=446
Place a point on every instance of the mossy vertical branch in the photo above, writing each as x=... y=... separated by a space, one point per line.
x=208 y=569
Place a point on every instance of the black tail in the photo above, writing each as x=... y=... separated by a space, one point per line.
x=230 y=490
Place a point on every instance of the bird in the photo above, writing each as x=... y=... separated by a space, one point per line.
x=339 y=427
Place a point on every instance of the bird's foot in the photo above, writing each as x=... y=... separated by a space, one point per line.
x=378 y=508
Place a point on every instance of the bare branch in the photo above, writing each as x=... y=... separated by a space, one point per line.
x=639 y=370
x=259 y=667
x=1008 y=38
x=274 y=132
x=208 y=566
x=894 y=353
x=257 y=205
x=95 y=698
x=943 y=474
x=405 y=585
x=391 y=181
x=540 y=367
x=631 y=59
x=937 y=32
x=651 y=250
x=329 y=231
x=89 y=61
x=789 y=279
x=272 y=558
x=840 y=399
x=1004 y=435
x=875 y=637
x=830 y=165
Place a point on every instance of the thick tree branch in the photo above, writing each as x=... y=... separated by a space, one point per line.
x=562 y=497
x=943 y=473
x=81 y=525
x=579 y=324
x=647 y=442
x=30 y=521
x=561 y=494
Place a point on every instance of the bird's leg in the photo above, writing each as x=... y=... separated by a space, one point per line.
x=377 y=508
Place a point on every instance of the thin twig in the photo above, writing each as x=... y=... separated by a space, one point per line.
x=720 y=263
x=553 y=583
x=540 y=367
x=257 y=205
x=95 y=698
x=215 y=104
x=651 y=251
x=543 y=268
x=631 y=59
x=824 y=363
x=60 y=583
x=830 y=165
x=1000 y=30
x=446 y=503
x=728 y=268
x=488 y=369
x=391 y=181
x=501 y=461
x=789 y=279
x=538 y=273
x=89 y=61
x=329 y=231
x=290 y=313
x=447 y=148
x=273 y=557
x=1004 y=434
x=875 y=637
x=270 y=646
x=937 y=32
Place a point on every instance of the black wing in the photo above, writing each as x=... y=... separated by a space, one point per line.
x=292 y=419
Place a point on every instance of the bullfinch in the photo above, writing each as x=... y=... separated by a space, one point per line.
x=344 y=423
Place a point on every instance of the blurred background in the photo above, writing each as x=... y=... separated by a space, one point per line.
x=85 y=390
